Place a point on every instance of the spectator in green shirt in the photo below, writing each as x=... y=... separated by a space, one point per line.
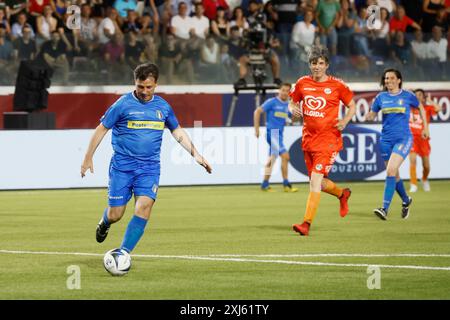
x=327 y=15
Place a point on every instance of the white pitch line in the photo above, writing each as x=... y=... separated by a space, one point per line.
x=363 y=255
x=211 y=258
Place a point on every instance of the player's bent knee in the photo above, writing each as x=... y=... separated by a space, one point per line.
x=116 y=213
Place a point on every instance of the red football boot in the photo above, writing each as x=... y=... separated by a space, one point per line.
x=303 y=228
x=344 y=202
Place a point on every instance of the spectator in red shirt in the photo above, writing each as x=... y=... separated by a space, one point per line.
x=211 y=8
x=400 y=21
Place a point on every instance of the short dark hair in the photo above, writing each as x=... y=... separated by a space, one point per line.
x=420 y=90
x=318 y=52
x=286 y=84
x=145 y=71
x=397 y=74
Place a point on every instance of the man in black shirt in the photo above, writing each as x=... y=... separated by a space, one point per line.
x=53 y=53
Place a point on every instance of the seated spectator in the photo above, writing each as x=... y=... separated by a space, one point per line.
x=380 y=35
x=134 y=50
x=200 y=22
x=389 y=5
x=361 y=34
x=210 y=60
x=345 y=28
x=327 y=15
x=220 y=26
x=131 y=23
x=400 y=50
x=437 y=52
x=212 y=6
x=151 y=48
x=45 y=25
x=239 y=20
x=149 y=25
x=25 y=46
x=400 y=21
x=53 y=53
x=123 y=6
x=172 y=58
x=108 y=26
x=302 y=38
x=7 y=68
x=86 y=37
x=4 y=22
x=114 y=58
x=419 y=50
x=17 y=27
x=180 y=24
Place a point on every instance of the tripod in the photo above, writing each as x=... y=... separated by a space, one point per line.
x=257 y=64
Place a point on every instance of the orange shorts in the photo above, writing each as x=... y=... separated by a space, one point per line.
x=319 y=161
x=421 y=146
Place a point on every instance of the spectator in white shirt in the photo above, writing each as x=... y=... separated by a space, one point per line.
x=108 y=26
x=437 y=52
x=180 y=25
x=200 y=22
x=302 y=37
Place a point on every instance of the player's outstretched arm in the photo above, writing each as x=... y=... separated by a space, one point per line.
x=348 y=116
x=256 y=120
x=182 y=138
x=96 y=138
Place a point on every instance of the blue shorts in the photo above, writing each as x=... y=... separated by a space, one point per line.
x=274 y=138
x=401 y=146
x=122 y=184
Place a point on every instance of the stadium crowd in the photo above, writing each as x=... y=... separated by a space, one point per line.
x=206 y=41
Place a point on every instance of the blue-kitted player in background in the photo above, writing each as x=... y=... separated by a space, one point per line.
x=277 y=113
x=396 y=138
x=137 y=120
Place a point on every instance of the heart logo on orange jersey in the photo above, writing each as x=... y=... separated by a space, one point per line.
x=315 y=103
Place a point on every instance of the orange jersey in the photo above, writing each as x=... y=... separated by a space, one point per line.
x=415 y=120
x=320 y=104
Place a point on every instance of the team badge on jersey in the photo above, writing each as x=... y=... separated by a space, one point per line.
x=327 y=90
x=159 y=114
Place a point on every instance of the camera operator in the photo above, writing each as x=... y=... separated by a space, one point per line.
x=260 y=44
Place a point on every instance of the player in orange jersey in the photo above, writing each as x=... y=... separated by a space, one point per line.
x=421 y=146
x=317 y=98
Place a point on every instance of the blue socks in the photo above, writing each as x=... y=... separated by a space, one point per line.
x=265 y=184
x=285 y=182
x=105 y=217
x=134 y=232
x=389 y=189
x=400 y=188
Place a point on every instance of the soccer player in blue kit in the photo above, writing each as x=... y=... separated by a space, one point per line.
x=396 y=138
x=137 y=120
x=277 y=112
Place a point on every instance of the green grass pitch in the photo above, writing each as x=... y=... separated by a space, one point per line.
x=228 y=242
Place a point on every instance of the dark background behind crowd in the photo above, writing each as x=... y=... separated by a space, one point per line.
x=206 y=41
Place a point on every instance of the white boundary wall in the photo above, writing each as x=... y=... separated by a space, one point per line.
x=52 y=159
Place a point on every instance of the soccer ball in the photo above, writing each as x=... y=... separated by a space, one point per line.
x=117 y=262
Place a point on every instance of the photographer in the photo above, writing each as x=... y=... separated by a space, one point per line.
x=260 y=44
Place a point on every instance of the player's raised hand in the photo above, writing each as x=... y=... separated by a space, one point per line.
x=87 y=164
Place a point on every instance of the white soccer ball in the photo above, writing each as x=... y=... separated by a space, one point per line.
x=117 y=262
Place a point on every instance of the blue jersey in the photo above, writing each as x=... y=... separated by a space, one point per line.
x=395 y=109
x=277 y=113
x=137 y=130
